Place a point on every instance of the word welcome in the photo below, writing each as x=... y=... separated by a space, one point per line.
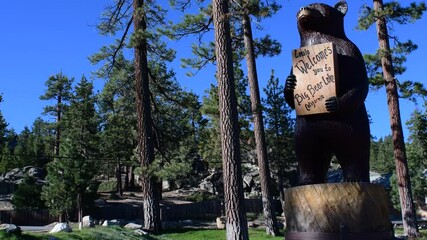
x=308 y=62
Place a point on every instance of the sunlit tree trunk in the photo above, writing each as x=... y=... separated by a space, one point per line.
x=145 y=149
x=403 y=180
x=236 y=224
x=259 y=133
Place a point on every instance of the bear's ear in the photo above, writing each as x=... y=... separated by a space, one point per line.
x=342 y=7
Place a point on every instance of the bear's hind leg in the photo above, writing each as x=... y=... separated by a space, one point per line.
x=355 y=164
x=313 y=166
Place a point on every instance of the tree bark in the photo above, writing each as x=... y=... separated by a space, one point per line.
x=58 y=128
x=236 y=224
x=119 y=178
x=403 y=179
x=259 y=133
x=145 y=149
x=80 y=210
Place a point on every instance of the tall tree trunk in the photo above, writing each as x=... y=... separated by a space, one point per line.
x=145 y=150
x=79 y=210
x=261 y=146
x=58 y=120
x=131 y=178
x=119 y=187
x=236 y=224
x=127 y=177
x=403 y=180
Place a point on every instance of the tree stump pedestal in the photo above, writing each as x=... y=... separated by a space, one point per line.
x=337 y=211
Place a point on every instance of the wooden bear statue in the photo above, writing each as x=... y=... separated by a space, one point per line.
x=344 y=129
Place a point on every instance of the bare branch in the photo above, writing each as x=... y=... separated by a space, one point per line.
x=120 y=46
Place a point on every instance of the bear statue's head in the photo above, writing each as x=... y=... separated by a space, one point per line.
x=322 y=18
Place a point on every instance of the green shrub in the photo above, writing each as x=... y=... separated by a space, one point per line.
x=28 y=195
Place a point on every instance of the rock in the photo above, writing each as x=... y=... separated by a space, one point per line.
x=248 y=182
x=133 y=226
x=253 y=224
x=88 y=222
x=140 y=232
x=10 y=228
x=220 y=222
x=166 y=186
x=36 y=172
x=213 y=183
x=108 y=223
x=61 y=227
x=11 y=174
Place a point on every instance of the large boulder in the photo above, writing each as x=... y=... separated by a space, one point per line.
x=133 y=226
x=10 y=228
x=108 y=223
x=61 y=227
x=213 y=183
x=220 y=222
x=36 y=172
x=10 y=180
x=14 y=174
x=87 y=222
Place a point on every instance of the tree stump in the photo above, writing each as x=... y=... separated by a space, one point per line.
x=342 y=211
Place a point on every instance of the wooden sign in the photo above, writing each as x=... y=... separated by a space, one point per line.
x=316 y=73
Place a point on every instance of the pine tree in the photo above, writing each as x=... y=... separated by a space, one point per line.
x=117 y=110
x=176 y=120
x=28 y=195
x=236 y=224
x=58 y=89
x=5 y=158
x=279 y=134
x=259 y=133
x=381 y=15
x=417 y=154
x=146 y=17
x=211 y=143
x=199 y=24
x=70 y=175
x=3 y=128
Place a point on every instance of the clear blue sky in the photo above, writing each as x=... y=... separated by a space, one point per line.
x=41 y=38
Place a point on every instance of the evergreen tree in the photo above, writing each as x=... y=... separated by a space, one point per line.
x=248 y=8
x=383 y=14
x=58 y=89
x=3 y=128
x=211 y=143
x=69 y=177
x=199 y=24
x=385 y=156
x=6 y=160
x=28 y=195
x=417 y=154
x=236 y=224
x=176 y=120
x=41 y=142
x=117 y=110
x=279 y=127
x=147 y=18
